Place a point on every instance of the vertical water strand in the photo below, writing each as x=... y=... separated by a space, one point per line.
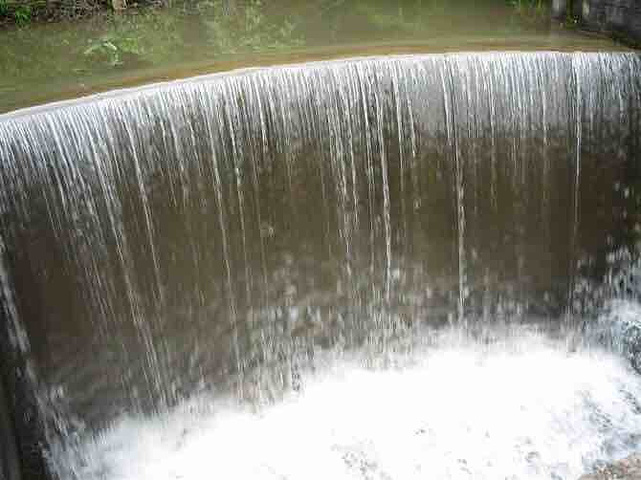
x=411 y=81
x=90 y=246
x=347 y=104
x=576 y=65
x=460 y=197
x=229 y=125
x=176 y=107
x=410 y=75
x=11 y=179
x=412 y=78
x=529 y=133
x=521 y=131
x=214 y=134
x=277 y=149
x=29 y=161
x=167 y=133
x=234 y=123
x=99 y=156
x=545 y=175
x=87 y=246
x=387 y=220
x=420 y=108
x=64 y=173
x=509 y=130
x=17 y=334
x=278 y=85
x=539 y=100
x=453 y=147
x=396 y=74
x=622 y=88
x=23 y=374
x=177 y=124
x=476 y=95
x=13 y=193
x=255 y=106
x=143 y=115
x=351 y=105
x=361 y=78
x=199 y=198
x=500 y=121
x=125 y=257
x=178 y=118
x=299 y=85
x=320 y=128
x=35 y=167
x=337 y=121
x=260 y=157
x=129 y=129
x=488 y=74
x=474 y=89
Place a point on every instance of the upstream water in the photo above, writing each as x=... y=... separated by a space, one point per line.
x=53 y=61
x=386 y=267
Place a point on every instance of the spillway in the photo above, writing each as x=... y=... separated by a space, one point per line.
x=377 y=246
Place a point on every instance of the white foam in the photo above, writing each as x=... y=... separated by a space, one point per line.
x=525 y=408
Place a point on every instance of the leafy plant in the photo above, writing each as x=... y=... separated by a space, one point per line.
x=531 y=12
x=22 y=15
x=4 y=8
x=111 y=49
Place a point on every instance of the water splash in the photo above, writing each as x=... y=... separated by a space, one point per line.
x=519 y=406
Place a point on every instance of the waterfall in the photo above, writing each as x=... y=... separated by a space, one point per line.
x=194 y=235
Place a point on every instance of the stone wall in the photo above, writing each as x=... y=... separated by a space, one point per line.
x=619 y=18
x=9 y=463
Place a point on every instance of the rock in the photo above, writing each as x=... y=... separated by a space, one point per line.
x=619 y=18
x=619 y=329
x=626 y=469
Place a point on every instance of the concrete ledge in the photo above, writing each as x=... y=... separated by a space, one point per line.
x=620 y=19
x=9 y=463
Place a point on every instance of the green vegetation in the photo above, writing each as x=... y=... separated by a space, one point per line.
x=531 y=11
x=145 y=37
x=22 y=14
x=19 y=14
x=131 y=40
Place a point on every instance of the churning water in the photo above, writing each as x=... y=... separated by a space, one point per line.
x=380 y=268
x=522 y=406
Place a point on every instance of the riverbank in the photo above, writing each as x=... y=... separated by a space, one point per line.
x=22 y=13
